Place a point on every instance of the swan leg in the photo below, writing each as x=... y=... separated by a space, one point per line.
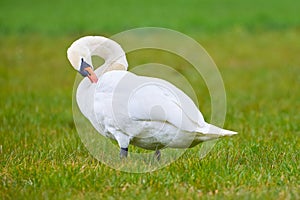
x=123 y=141
x=157 y=155
x=123 y=152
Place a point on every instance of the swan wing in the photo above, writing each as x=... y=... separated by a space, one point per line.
x=157 y=100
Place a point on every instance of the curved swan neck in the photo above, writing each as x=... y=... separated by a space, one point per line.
x=109 y=50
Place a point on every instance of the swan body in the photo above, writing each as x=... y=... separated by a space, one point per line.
x=147 y=112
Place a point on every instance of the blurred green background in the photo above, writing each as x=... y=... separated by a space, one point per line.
x=256 y=46
x=112 y=16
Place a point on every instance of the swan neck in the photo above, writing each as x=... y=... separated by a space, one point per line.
x=115 y=66
x=110 y=51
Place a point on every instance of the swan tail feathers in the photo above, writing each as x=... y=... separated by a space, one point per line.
x=214 y=130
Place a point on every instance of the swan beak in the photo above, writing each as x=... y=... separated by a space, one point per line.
x=91 y=75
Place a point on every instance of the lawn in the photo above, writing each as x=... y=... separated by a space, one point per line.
x=256 y=46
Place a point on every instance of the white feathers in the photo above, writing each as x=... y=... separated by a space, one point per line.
x=147 y=112
x=89 y=46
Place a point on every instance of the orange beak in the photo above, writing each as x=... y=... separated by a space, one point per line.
x=92 y=76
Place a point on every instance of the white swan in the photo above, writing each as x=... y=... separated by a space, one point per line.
x=147 y=112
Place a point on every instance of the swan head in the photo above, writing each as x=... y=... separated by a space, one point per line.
x=80 y=60
x=81 y=51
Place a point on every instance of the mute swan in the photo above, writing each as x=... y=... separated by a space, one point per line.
x=147 y=112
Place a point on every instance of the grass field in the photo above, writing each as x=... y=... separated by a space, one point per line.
x=256 y=46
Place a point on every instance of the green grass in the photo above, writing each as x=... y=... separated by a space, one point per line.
x=42 y=156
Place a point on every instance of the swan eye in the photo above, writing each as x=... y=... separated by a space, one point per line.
x=83 y=67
